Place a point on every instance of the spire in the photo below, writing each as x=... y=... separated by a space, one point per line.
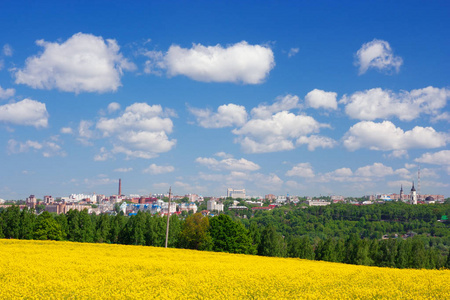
x=413 y=189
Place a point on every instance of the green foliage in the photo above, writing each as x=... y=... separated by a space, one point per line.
x=47 y=228
x=195 y=234
x=272 y=243
x=301 y=247
x=230 y=236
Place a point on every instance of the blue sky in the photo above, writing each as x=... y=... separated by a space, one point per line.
x=292 y=97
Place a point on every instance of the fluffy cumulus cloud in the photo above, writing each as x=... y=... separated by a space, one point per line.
x=301 y=170
x=375 y=170
x=6 y=93
x=241 y=62
x=377 y=54
x=276 y=133
x=321 y=99
x=437 y=158
x=381 y=104
x=281 y=103
x=315 y=141
x=66 y=130
x=155 y=169
x=26 y=112
x=269 y=128
x=230 y=164
x=227 y=115
x=113 y=106
x=83 y=63
x=47 y=148
x=386 y=136
x=140 y=131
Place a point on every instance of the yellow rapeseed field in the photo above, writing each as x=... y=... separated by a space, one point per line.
x=65 y=270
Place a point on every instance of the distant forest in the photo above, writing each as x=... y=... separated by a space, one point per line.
x=392 y=234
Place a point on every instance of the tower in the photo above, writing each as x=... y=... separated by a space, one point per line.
x=401 y=192
x=413 y=196
x=120 y=187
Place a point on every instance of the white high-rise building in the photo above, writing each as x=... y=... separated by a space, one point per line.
x=235 y=193
x=214 y=205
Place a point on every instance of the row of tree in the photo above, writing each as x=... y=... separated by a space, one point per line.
x=310 y=233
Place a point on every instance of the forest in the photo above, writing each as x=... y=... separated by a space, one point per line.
x=393 y=234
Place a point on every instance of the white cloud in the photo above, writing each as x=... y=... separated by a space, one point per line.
x=113 y=106
x=293 y=52
x=377 y=54
x=437 y=158
x=427 y=173
x=404 y=173
x=318 y=98
x=231 y=164
x=103 y=155
x=26 y=112
x=276 y=133
x=301 y=170
x=375 y=170
x=155 y=169
x=386 y=136
x=381 y=104
x=241 y=62
x=223 y=154
x=123 y=170
x=66 y=130
x=227 y=115
x=410 y=166
x=84 y=132
x=343 y=172
x=83 y=63
x=140 y=131
x=398 y=154
x=315 y=141
x=6 y=93
x=269 y=182
x=47 y=148
x=282 y=103
x=7 y=50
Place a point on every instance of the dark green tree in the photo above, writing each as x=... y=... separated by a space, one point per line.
x=230 y=236
x=301 y=247
x=102 y=229
x=272 y=243
x=47 y=228
x=195 y=234
x=27 y=222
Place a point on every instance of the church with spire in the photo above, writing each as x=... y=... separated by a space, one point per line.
x=413 y=195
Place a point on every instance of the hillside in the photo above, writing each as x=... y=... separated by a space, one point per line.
x=48 y=269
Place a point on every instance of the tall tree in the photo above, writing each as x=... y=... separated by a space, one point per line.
x=27 y=223
x=230 y=236
x=272 y=243
x=301 y=247
x=195 y=233
x=47 y=228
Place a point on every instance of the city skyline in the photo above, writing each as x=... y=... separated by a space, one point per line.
x=292 y=98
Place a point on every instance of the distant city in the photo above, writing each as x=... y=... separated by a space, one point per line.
x=159 y=203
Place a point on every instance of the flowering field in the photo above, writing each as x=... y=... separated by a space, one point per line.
x=59 y=270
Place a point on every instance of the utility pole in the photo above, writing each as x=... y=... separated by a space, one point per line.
x=168 y=216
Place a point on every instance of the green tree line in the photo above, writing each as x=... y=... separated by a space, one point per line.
x=336 y=233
